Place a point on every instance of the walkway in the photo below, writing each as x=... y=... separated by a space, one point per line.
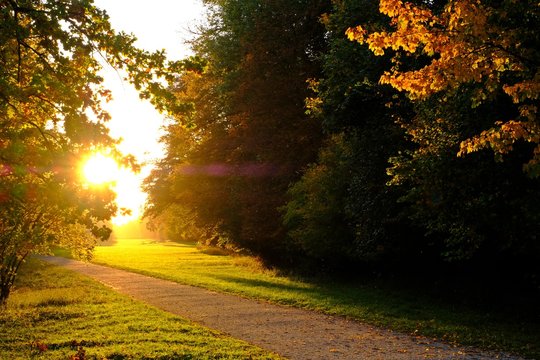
x=292 y=333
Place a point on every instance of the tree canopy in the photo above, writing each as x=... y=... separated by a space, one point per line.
x=417 y=148
x=248 y=136
x=51 y=117
x=493 y=44
x=413 y=146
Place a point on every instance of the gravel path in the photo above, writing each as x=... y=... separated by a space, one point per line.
x=289 y=332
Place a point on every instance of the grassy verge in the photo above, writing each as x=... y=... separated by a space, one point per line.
x=56 y=314
x=403 y=310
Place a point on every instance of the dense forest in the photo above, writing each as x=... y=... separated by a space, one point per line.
x=346 y=136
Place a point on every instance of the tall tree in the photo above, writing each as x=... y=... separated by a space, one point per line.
x=51 y=116
x=250 y=135
x=342 y=212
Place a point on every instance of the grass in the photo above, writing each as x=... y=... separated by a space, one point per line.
x=57 y=314
x=375 y=303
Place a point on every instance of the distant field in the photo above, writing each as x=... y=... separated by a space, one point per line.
x=372 y=303
x=57 y=314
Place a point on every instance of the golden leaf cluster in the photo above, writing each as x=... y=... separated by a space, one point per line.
x=463 y=47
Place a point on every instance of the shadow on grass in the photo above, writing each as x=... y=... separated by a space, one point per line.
x=403 y=311
x=264 y=284
x=365 y=303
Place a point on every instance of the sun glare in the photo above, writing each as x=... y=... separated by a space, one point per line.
x=100 y=169
x=129 y=196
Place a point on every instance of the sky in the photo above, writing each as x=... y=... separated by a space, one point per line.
x=157 y=24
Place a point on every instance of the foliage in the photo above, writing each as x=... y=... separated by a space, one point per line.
x=51 y=117
x=469 y=66
x=315 y=214
x=277 y=73
x=338 y=213
x=341 y=211
x=54 y=313
x=491 y=43
x=231 y=159
x=474 y=209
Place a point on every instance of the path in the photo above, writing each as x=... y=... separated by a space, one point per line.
x=292 y=333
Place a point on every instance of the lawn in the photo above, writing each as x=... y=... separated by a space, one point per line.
x=374 y=303
x=57 y=314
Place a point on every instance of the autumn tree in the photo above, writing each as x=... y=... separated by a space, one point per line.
x=494 y=44
x=471 y=68
x=51 y=117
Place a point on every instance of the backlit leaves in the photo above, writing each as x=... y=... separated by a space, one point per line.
x=51 y=114
x=468 y=42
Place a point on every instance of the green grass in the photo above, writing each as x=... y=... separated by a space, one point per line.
x=375 y=303
x=56 y=314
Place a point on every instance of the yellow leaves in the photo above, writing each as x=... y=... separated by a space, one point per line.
x=313 y=104
x=456 y=40
x=391 y=7
x=466 y=15
x=515 y=129
x=500 y=63
x=414 y=82
x=528 y=112
x=464 y=47
x=527 y=89
x=411 y=29
x=404 y=11
x=377 y=42
x=356 y=34
x=502 y=138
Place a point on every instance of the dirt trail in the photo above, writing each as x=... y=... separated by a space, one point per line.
x=292 y=333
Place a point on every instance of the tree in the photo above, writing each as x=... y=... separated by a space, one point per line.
x=492 y=43
x=250 y=135
x=471 y=68
x=51 y=117
x=342 y=212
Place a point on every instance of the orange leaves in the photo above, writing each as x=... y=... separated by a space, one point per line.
x=466 y=14
x=455 y=40
x=415 y=83
x=503 y=136
x=391 y=8
x=378 y=42
x=404 y=11
x=527 y=89
x=501 y=139
x=411 y=31
x=466 y=43
x=356 y=34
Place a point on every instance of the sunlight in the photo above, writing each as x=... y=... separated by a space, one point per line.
x=100 y=169
x=155 y=30
x=129 y=196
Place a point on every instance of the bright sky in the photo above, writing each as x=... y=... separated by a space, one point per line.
x=157 y=24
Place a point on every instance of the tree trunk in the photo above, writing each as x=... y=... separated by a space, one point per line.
x=7 y=278
x=5 y=289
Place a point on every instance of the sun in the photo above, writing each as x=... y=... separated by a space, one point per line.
x=100 y=169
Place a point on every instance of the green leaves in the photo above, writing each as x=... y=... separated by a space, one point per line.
x=240 y=134
x=51 y=114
